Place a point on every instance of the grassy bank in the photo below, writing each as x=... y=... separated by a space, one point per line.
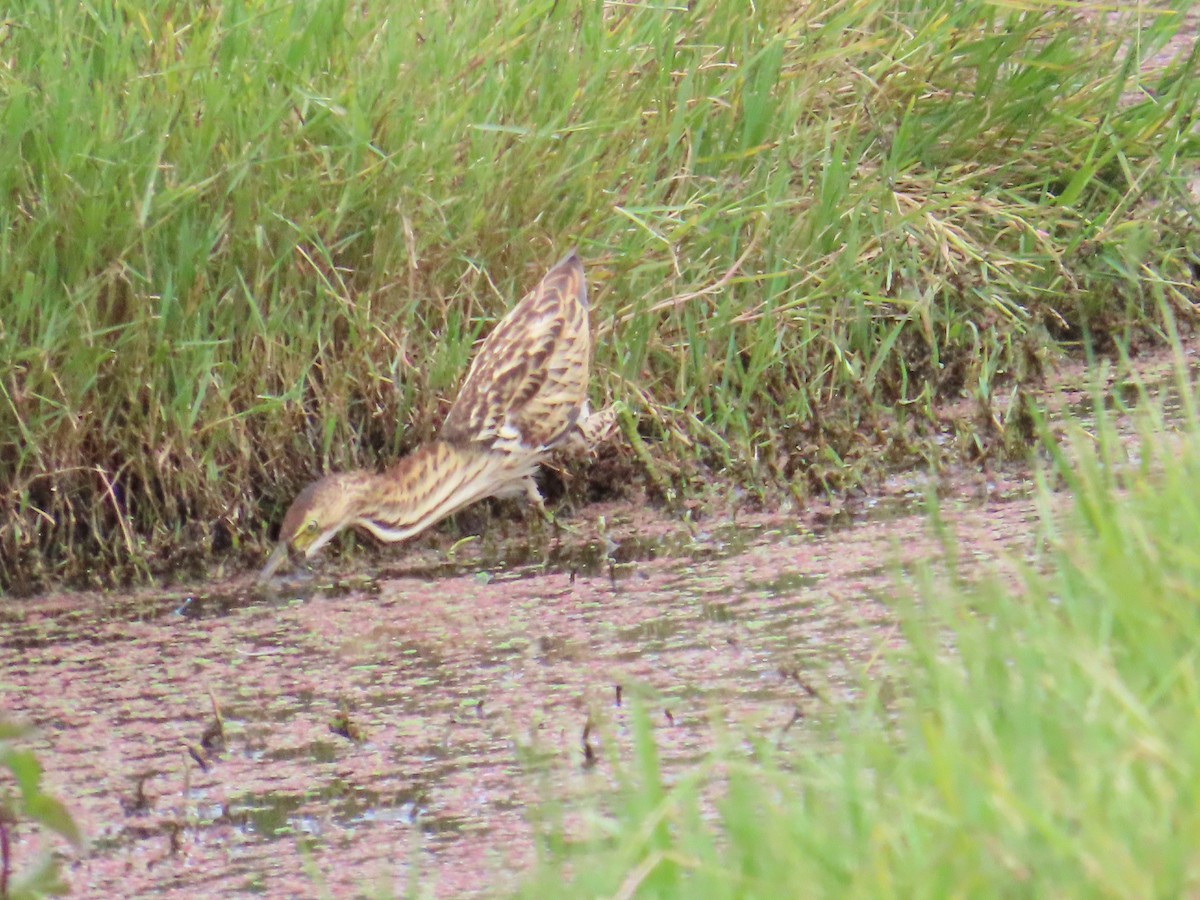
x=1045 y=743
x=245 y=243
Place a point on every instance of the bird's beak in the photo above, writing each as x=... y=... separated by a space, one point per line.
x=278 y=557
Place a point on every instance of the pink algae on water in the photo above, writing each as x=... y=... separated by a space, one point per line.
x=398 y=724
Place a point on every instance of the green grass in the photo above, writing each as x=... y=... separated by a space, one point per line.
x=1045 y=741
x=247 y=242
x=23 y=804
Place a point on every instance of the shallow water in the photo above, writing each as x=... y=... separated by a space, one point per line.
x=397 y=716
x=388 y=722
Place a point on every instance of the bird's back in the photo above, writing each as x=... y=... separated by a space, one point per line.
x=526 y=388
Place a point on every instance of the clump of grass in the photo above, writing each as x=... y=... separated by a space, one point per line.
x=245 y=243
x=1047 y=739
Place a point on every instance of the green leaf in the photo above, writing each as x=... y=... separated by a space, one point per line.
x=10 y=731
x=25 y=769
x=41 y=879
x=46 y=810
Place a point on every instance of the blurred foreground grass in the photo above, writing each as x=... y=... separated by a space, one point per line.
x=1045 y=743
x=246 y=242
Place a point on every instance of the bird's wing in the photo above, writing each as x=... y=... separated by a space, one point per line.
x=527 y=384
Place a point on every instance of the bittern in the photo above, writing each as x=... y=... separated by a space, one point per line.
x=525 y=396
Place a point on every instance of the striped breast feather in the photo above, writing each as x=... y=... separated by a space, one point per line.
x=528 y=381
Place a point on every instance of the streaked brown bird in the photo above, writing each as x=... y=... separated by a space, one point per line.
x=525 y=397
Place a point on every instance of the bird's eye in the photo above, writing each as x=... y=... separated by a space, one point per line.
x=312 y=525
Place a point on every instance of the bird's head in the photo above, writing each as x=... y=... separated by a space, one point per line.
x=315 y=517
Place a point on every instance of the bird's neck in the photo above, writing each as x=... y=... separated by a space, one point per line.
x=434 y=481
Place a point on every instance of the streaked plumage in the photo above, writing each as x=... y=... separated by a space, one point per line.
x=524 y=396
x=527 y=387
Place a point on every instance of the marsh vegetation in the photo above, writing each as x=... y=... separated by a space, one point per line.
x=247 y=244
x=860 y=602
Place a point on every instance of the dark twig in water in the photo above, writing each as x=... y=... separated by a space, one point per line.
x=589 y=752
x=198 y=755
x=213 y=738
x=797 y=716
x=5 y=859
